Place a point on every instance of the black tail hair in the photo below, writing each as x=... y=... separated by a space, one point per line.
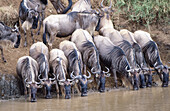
x=44 y=35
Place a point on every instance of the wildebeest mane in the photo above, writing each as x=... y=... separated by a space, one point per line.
x=45 y=2
x=138 y=54
x=26 y=65
x=129 y=52
x=151 y=54
x=90 y=52
x=73 y=57
x=112 y=55
x=125 y=46
x=41 y=59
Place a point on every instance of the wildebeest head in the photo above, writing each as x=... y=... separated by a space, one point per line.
x=16 y=36
x=134 y=77
x=33 y=86
x=67 y=83
x=33 y=15
x=101 y=79
x=47 y=83
x=105 y=12
x=83 y=82
x=11 y=34
x=164 y=74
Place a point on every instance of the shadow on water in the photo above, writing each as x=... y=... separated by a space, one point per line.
x=149 y=99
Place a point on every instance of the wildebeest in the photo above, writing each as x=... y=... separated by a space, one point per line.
x=60 y=8
x=58 y=65
x=7 y=33
x=129 y=36
x=107 y=30
x=27 y=70
x=151 y=54
x=65 y=24
x=90 y=54
x=74 y=58
x=28 y=15
x=82 y=5
x=82 y=82
x=57 y=5
x=114 y=58
x=39 y=51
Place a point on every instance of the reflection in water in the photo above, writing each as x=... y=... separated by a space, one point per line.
x=149 y=99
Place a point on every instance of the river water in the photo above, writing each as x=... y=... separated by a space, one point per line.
x=148 y=99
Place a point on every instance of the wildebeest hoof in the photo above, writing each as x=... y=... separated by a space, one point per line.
x=38 y=33
x=142 y=86
x=4 y=60
x=101 y=91
x=67 y=97
x=135 y=88
x=83 y=95
x=164 y=85
x=33 y=100
x=48 y=97
x=149 y=85
x=25 y=45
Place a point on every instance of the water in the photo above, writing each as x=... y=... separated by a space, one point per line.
x=149 y=99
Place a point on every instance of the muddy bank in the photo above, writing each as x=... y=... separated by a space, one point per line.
x=9 y=86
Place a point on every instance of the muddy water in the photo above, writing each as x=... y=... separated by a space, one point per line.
x=149 y=99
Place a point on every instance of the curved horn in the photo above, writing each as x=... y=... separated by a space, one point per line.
x=53 y=78
x=107 y=75
x=27 y=82
x=71 y=75
x=110 y=4
x=127 y=69
x=61 y=83
x=93 y=71
x=63 y=80
x=101 y=4
x=89 y=75
x=159 y=67
x=75 y=77
x=107 y=70
x=41 y=80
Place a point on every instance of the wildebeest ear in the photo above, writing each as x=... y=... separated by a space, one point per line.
x=89 y=81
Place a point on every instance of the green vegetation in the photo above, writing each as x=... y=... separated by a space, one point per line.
x=144 y=12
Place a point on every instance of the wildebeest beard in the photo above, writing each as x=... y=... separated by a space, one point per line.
x=35 y=22
x=45 y=2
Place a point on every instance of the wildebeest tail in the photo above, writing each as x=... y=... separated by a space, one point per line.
x=44 y=33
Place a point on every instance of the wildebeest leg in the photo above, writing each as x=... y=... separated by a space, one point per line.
x=2 y=54
x=29 y=90
x=115 y=77
x=142 y=81
x=45 y=91
x=76 y=86
x=149 y=82
x=85 y=69
x=32 y=35
x=57 y=88
x=25 y=91
x=41 y=18
x=51 y=39
x=25 y=34
x=135 y=86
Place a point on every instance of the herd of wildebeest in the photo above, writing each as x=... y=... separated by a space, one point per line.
x=130 y=56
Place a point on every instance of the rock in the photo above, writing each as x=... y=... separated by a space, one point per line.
x=9 y=86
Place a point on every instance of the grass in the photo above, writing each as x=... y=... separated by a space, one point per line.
x=144 y=12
